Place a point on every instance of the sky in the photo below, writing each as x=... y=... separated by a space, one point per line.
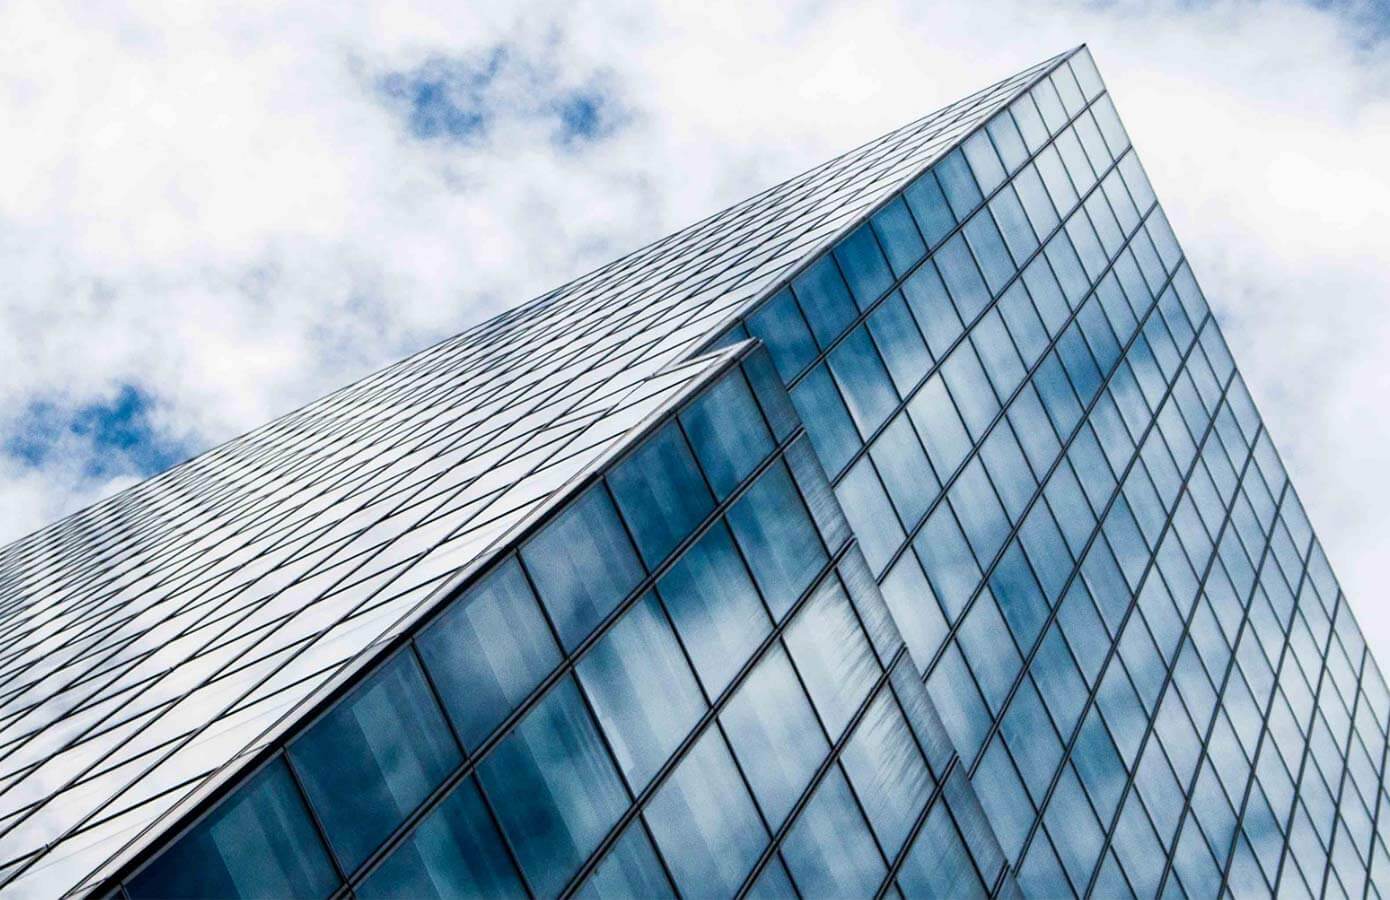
x=212 y=213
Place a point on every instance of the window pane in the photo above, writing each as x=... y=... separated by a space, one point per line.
x=374 y=758
x=583 y=565
x=863 y=380
x=947 y=560
x=829 y=849
x=630 y=869
x=898 y=234
x=862 y=263
x=779 y=324
x=929 y=208
x=914 y=609
x=833 y=656
x=455 y=852
x=488 y=651
x=827 y=421
x=888 y=772
x=933 y=310
x=775 y=735
x=988 y=245
x=962 y=193
x=660 y=493
x=728 y=433
x=870 y=514
x=939 y=426
x=554 y=788
x=900 y=342
x=258 y=842
x=962 y=278
x=715 y=608
x=937 y=864
x=824 y=299
x=778 y=539
x=642 y=690
x=906 y=474
x=704 y=821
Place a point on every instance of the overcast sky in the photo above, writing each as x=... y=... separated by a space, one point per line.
x=211 y=213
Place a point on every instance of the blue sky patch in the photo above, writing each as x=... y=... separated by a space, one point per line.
x=117 y=433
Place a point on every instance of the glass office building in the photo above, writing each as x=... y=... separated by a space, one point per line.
x=904 y=530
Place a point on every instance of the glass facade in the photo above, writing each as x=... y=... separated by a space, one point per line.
x=904 y=530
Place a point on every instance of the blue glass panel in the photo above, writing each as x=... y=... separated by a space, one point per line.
x=962 y=193
x=888 y=772
x=963 y=712
x=984 y=238
x=258 y=842
x=374 y=758
x=977 y=507
x=630 y=869
x=661 y=493
x=914 y=608
x=554 y=787
x=1030 y=123
x=773 y=884
x=929 y=208
x=833 y=656
x=778 y=539
x=984 y=162
x=1030 y=337
x=962 y=278
x=863 y=380
x=455 y=852
x=715 y=608
x=984 y=641
x=870 y=514
x=937 y=865
x=822 y=409
x=906 y=474
x=947 y=560
x=996 y=351
x=932 y=308
x=643 y=693
x=1020 y=599
x=1047 y=294
x=1007 y=141
x=824 y=299
x=900 y=342
x=728 y=433
x=829 y=849
x=899 y=236
x=488 y=651
x=583 y=565
x=1074 y=830
x=863 y=265
x=780 y=325
x=1037 y=204
x=1014 y=226
x=996 y=783
x=704 y=821
x=970 y=389
x=939 y=427
x=775 y=735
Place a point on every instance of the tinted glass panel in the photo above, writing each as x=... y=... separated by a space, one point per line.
x=488 y=651
x=728 y=433
x=583 y=565
x=778 y=539
x=259 y=842
x=554 y=788
x=375 y=758
x=643 y=692
x=661 y=493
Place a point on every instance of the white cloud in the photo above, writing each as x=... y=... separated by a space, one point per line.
x=219 y=206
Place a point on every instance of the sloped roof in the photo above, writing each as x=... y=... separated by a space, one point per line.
x=149 y=641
